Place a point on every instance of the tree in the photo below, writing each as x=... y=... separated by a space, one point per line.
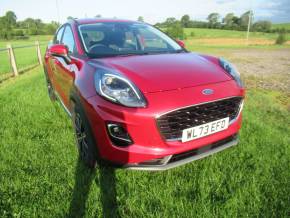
x=228 y=19
x=34 y=26
x=140 y=19
x=236 y=21
x=10 y=27
x=185 y=21
x=7 y=22
x=10 y=18
x=98 y=16
x=244 y=19
x=51 y=28
x=213 y=19
x=169 y=21
x=70 y=18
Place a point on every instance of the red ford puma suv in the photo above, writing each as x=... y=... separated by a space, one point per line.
x=138 y=98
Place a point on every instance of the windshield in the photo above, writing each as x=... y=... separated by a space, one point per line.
x=124 y=38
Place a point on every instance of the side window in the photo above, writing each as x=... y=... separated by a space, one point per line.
x=130 y=40
x=58 y=36
x=68 y=39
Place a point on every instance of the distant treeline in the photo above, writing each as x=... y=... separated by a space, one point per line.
x=229 y=22
x=10 y=28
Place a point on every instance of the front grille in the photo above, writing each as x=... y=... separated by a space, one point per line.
x=171 y=124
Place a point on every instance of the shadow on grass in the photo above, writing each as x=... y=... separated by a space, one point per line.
x=84 y=179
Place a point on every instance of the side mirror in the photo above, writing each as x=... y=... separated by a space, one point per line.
x=180 y=42
x=59 y=50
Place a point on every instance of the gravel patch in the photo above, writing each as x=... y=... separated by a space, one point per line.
x=263 y=68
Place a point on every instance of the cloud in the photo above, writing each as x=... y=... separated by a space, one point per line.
x=276 y=11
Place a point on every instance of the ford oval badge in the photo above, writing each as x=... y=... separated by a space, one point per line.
x=207 y=91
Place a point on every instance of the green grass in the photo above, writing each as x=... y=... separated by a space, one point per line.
x=4 y=63
x=41 y=175
x=217 y=33
x=281 y=25
x=220 y=50
x=25 y=57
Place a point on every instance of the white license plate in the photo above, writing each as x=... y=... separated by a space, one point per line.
x=204 y=129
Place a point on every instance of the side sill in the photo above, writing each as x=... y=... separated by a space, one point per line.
x=62 y=104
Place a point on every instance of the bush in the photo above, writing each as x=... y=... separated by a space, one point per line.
x=262 y=26
x=192 y=34
x=6 y=34
x=281 y=39
x=33 y=31
x=21 y=37
x=18 y=33
x=175 y=30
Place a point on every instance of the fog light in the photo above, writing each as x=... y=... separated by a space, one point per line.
x=118 y=135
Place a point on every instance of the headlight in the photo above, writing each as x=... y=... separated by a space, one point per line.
x=231 y=70
x=118 y=89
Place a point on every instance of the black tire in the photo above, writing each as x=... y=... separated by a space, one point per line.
x=85 y=140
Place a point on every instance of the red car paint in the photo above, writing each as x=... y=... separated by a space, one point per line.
x=168 y=82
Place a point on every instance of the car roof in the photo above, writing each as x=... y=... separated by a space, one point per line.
x=99 y=20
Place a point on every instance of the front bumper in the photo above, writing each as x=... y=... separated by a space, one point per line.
x=173 y=161
x=141 y=124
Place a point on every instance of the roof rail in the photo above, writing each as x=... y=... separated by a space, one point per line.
x=73 y=19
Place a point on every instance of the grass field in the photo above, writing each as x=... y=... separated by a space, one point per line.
x=25 y=57
x=217 y=33
x=282 y=25
x=42 y=177
x=198 y=37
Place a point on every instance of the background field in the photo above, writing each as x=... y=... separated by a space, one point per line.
x=217 y=33
x=198 y=37
x=42 y=177
x=282 y=25
x=25 y=57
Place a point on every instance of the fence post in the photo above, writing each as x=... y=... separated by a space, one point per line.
x=38 y=53
x=12 y=60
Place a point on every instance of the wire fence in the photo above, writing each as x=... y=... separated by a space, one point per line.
x=15 y=60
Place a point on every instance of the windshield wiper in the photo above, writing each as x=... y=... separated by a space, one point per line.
x=131 y=54
x=167 y=52
x=113 y=55
x=136 y=53
x=178 y=51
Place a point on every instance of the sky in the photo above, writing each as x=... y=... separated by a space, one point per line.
x=277 y=11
